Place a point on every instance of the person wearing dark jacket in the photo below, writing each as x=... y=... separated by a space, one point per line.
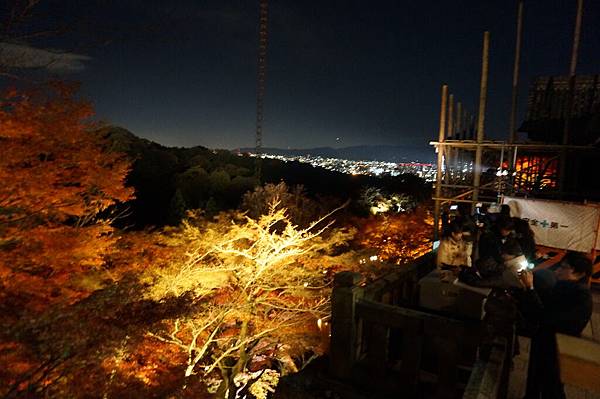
x=502 y=275
x=526 y=238
x=491 y=242
x=565 y=309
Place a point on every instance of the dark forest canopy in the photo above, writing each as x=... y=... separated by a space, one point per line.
x=170 y=180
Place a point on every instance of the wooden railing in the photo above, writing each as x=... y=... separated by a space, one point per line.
x=383 y=344
x=579 y=362
x=489 y=378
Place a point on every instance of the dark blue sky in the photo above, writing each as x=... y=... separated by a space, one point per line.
x=183 y=72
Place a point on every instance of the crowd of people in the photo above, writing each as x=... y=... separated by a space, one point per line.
x=499 y=252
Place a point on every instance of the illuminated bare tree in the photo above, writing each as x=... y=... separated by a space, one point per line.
x=255 y=281
x=378 y=201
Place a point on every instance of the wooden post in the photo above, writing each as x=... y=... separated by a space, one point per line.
x=515 y=81
x=481 y=118
x=440 y=160
x=515 y=86
x=579 y=362
x=487 y=378
x=471 y=127
x=458 y=133
x=448 y=155
x=465 y=124
x=344 y=328
x=459 y=121
x=570 y=95
x=450 y=132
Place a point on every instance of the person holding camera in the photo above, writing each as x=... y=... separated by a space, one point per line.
x=566 y=308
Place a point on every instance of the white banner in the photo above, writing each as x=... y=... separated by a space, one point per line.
x=558 y=224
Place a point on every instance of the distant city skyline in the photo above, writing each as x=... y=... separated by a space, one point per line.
x=387 y=153
x=427 y=171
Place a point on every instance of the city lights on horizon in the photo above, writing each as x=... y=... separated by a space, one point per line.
x=369 y=168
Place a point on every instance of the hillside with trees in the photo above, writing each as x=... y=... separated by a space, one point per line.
x=129 y=269
x=169 y=181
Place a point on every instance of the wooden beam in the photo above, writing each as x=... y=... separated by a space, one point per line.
x=515 y=81
x=448 y=155
x=412 y=348
x=498 y=145
x=344 y=333
x=397 y=317
x=486 y=379
x=481 y=116
x=450 y=130
x=579 y=362
x=571 y=95
x=440 y=161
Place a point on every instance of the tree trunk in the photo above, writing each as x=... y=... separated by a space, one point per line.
x=223 y=389
x=241 y=362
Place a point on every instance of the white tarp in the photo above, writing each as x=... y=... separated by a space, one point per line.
x=558 y=224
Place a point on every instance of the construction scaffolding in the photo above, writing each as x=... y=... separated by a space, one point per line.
x=480 y=171
x=474 y=170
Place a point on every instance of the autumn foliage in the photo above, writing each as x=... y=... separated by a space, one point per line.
x=58 y=184
x=258 y=287
x=397 y=238
x=226 y=303
x=56 y=180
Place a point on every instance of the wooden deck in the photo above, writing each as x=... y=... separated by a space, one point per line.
x=518 y=377
x=384 y=345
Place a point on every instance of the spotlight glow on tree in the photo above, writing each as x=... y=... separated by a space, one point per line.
x=397 y=238
x=256 y=284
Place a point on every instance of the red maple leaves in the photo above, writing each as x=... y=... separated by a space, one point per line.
x=56 y=180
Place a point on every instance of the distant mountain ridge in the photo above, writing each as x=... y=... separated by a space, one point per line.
x=387 y=153
x=170 y=180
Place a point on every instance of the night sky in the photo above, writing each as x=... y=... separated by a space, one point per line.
x=183 y=72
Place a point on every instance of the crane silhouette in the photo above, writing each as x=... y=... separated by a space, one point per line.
x=263 y=39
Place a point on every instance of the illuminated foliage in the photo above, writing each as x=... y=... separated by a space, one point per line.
x=227 y=304
x=257 y=283
x=52 y=166
x=378 y=201
x=56 y=179
x=397 y=238
x=301 y=210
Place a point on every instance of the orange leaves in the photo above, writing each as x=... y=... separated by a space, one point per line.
x=397 y=238
x=149 y=362
x=52 y=165
x=49 y=263
x=16 y=356
x=56 y=177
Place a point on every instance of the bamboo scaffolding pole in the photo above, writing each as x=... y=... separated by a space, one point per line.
x=471 y=127
x=450 y=132
x=515 y=80
x=459 y=119
x=515 y=93
x=459 y=126
x=481 y=117
x=472 y=145
x=440 y=160
x=449 y=154
x=571 y=94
